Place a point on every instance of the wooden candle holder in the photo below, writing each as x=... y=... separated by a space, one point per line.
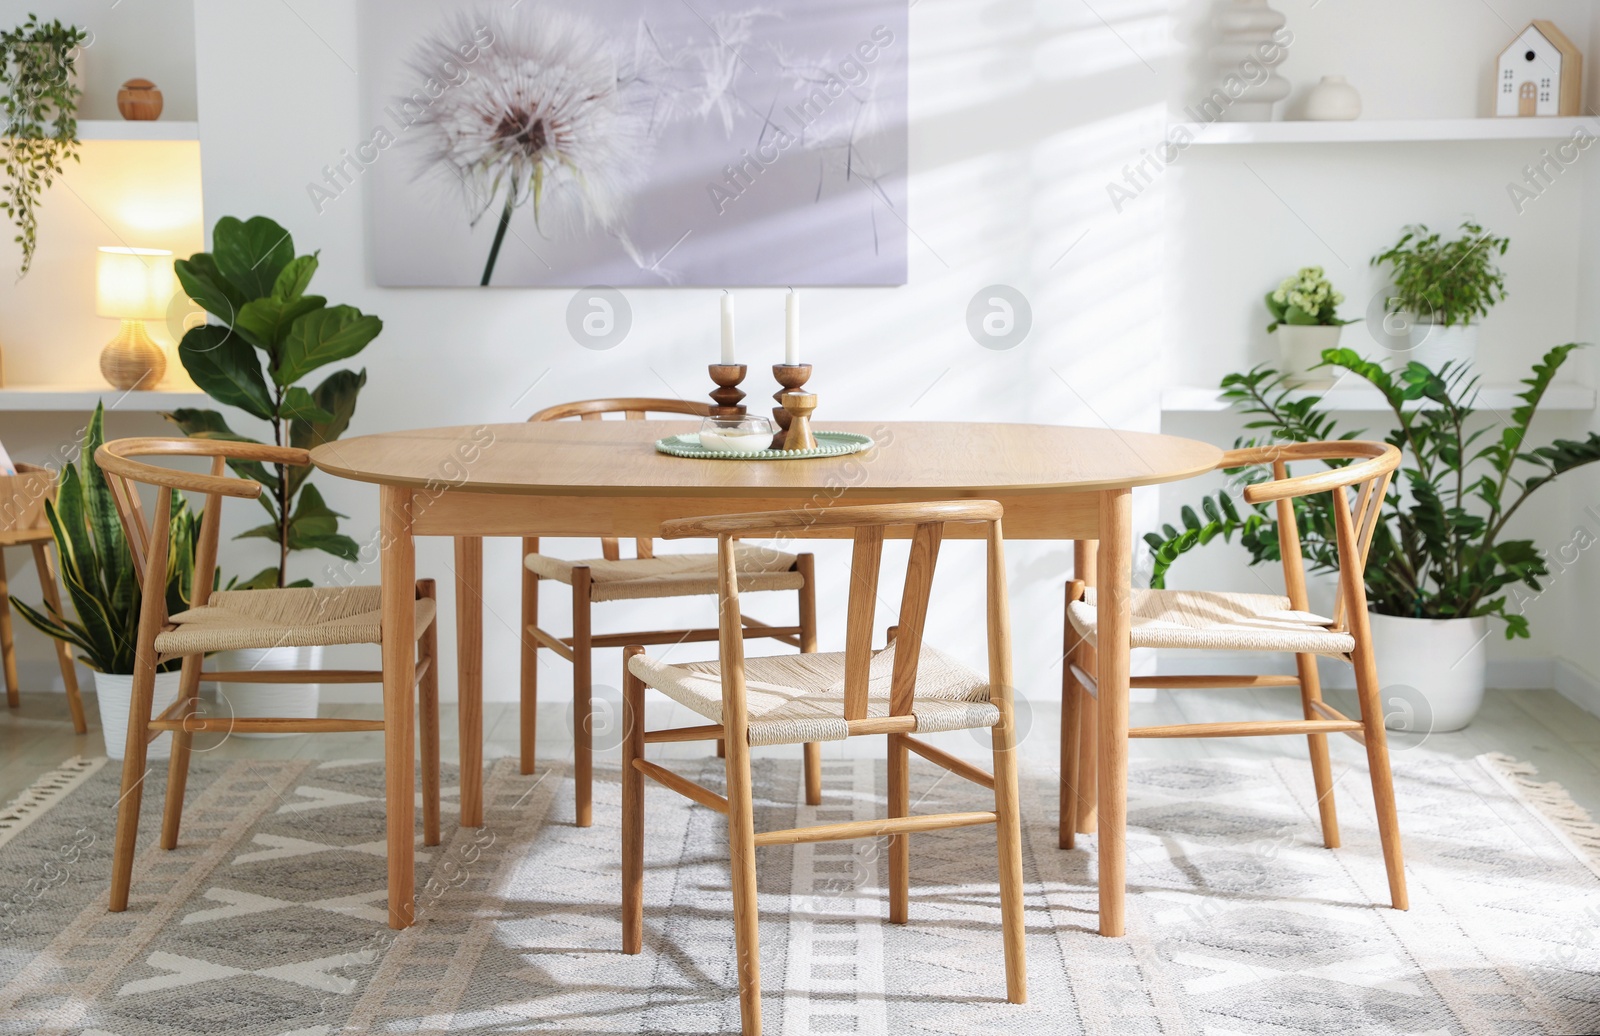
x=791 y=376
x=727 y=394
x=799 y=406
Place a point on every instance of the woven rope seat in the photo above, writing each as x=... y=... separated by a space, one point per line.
x=1219 y=621
x=295 y=617
x=673 y=575
x=797 y=698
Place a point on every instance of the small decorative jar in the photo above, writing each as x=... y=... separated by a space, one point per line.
x=1333 y=100
x=139 y=100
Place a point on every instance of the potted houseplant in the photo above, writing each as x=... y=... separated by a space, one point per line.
x=38 y=119
x=1442 y=562
x=1445 y=288
x=1305 y=320
x=268 y=335
x=98 y=571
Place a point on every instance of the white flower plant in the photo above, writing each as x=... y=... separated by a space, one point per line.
x=1306 y=299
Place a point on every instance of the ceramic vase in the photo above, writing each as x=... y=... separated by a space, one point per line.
x=1333 y=100
x=268 y=700
x=114 y=693
x=1300 y=347
x=1245 y=31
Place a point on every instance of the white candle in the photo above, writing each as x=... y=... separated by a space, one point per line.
x=727 y=328
x=791 y=348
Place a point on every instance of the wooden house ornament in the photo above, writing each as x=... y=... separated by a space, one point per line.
x=1539 y=73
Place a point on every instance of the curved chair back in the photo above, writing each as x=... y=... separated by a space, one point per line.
x=869 y=522
x=148 y=539
x=632 y=409
x=1370 y=467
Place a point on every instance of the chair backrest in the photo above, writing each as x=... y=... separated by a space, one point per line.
x=148 y=539
x=869 y=522
x=631 y=409
x=1371 y=467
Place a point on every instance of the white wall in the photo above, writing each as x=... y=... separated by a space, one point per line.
x=1018 y=115
x=1242 y=218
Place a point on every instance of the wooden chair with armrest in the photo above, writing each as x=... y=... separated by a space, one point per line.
x=1236 y=622
x=644 y=576
x=904 y=689
x=227 y=620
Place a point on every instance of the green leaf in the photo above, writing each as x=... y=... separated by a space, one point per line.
x=299 y=404
x=208 y=424
x=265 y=322
x=295 y=278
x=204 y=283
x=266 y=579
x=322 y=337
x=225 y=366
x=251 y=254
x=337 y=396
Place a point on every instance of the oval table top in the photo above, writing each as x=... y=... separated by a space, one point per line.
x=618 y=458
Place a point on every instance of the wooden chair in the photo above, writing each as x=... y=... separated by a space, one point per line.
x=644 y=576
x=905 y=688
x=228 y=620
x=1261 y=622
x=23 y=524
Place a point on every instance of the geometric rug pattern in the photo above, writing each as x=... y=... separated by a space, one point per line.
x=268 y=920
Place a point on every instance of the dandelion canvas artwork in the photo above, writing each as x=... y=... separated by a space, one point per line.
x=565 y=143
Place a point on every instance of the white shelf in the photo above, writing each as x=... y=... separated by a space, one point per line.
x=69 y=399
x=1380 y=131
x=1185 y=399
x=119 y=129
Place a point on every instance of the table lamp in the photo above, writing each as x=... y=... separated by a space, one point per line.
x=133 y=285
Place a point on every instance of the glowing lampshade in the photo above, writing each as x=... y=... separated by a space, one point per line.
x=133 y=283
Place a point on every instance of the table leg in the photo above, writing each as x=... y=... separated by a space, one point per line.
x=399 y=567
x=469 y=675
x=1114 y=597
x=1085 y=562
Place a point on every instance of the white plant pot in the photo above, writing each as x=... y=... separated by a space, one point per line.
x=1432 y=671
x=1301 y=346
x=267 y=700
x=1434 y=345
x=114 y=692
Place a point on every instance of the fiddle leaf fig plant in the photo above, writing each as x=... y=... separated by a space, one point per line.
x=269 y=336
x=1443 y=547
x=38 y=119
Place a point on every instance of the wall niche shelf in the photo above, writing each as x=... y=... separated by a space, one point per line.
x=1385 y=131
x=1188 y=399
x=120 y=129
x=71 y=399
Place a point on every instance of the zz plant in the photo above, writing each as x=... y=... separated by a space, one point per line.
x=1441 y=548
x=38 y=119
x=269 y=337
x=97 y=567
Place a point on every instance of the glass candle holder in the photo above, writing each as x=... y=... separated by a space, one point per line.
x=747 y=434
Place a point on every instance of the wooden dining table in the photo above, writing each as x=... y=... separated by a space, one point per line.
x=605 y=478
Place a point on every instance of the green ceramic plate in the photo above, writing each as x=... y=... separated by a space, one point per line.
x=829 y=444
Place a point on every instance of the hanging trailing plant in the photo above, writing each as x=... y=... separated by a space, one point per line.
x=38 y=119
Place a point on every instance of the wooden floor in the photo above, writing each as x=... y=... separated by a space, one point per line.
x=1539 y=727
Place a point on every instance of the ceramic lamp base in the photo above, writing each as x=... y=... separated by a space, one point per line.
x=132 y=360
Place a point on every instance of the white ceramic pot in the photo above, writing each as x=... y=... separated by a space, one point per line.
x=1301 y=347
x=1333 y=100
x=1434 y=345
x=267 y=700
x=1432 y=671
x=114 y=691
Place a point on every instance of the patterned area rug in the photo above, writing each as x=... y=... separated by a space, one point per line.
x=269 y=919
